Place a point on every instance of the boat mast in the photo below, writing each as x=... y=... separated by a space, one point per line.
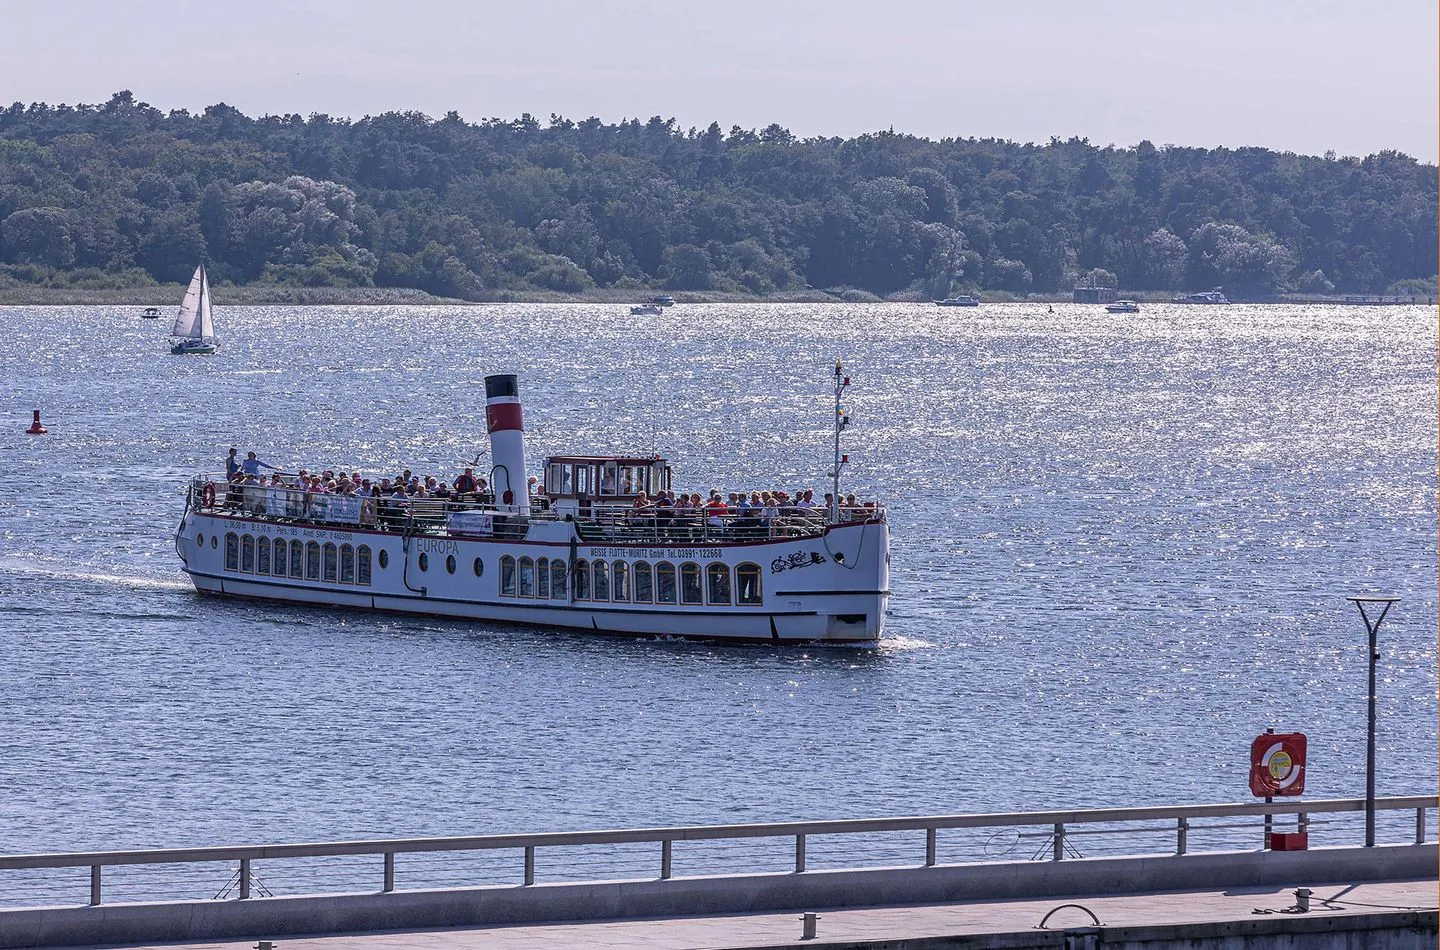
x=841 y=421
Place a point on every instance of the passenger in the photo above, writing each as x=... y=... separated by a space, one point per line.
x=716 y=511
x=769 y=514
x=252 y=465
x=442 y=491
x=607 y=483
x=232 y=463
x=642 y=513
x=466 y=484
x=664 y=511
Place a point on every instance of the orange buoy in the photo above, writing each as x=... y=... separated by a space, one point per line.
x=35 y=427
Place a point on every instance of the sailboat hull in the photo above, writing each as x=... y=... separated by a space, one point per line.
x=196 y=348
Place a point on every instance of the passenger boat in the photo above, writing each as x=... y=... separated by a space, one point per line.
x=150 y=313
x=579 y=553
x=194 y=324
x=646 y=310
x=1203 y=297
x=1123 y=306
x=959 y=300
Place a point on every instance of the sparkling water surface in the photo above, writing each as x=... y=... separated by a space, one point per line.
x=1120 y=550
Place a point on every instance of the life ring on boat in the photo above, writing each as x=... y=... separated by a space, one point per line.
x=207 y=495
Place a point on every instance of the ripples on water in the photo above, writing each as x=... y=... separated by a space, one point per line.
x=1120 y=550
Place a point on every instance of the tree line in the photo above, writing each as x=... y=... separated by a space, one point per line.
x=122 y=193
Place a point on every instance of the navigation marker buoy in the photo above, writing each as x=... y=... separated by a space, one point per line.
x=35 y=427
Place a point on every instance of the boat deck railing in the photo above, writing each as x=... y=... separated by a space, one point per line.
x=249 y=871
x=598 y=521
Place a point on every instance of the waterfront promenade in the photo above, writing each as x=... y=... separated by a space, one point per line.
x=885 y=880
x=1389 y=914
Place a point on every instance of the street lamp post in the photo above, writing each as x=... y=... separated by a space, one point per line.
x=1373 y=629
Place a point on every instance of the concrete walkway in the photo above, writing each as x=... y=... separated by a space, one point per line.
x=898 y=926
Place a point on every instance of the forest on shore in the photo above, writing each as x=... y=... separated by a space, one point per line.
x=122 y=195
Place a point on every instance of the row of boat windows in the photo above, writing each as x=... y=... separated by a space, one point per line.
x=640 y=583
x=311 y=561
x=543 y=579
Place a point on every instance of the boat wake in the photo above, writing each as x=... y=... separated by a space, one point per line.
x=139 y=581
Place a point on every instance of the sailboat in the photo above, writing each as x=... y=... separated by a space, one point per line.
x=193 y=324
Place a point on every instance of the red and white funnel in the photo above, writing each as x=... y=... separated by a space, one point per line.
x=506 y=423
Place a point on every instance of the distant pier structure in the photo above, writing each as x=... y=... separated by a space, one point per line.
x=1089 y=293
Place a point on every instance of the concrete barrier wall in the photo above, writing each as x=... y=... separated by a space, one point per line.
x=812 y=890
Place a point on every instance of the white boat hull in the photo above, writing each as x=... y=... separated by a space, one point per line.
x=829 y=588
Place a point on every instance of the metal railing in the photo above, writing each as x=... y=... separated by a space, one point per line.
x=791 y=849
x=598 y=521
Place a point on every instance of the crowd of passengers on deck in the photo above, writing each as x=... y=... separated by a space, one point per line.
x=318 y=495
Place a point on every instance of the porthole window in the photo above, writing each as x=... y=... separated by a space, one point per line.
x=214 y=542
x=478 y=567
x=424 y=561
x=199 y=540
x=384 y=559
x=450 y=564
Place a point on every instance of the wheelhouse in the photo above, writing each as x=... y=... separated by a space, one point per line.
x=622 y=478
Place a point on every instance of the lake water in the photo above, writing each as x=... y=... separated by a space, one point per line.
x=1120 y=551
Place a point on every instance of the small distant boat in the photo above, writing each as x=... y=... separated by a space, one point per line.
x=1204 y=297
x=150 y=313
x=1123 y=306
x=194 y=326
x=647 y=310
x=959 y=300
x=662 y=300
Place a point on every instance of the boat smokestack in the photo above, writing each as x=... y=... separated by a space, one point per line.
x=506 y=424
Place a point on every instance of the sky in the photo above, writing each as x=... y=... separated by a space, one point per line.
x=1309 y=77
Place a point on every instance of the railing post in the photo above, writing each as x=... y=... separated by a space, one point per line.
x=1059 y=841
x=1302 y=822
x=929 y=847
x=799 y=853
x=529 y=865
x=1182 y=835
x=389 y=871
x=244 y=879
x=1420 y=825
x=665 y=860
x=94 y=885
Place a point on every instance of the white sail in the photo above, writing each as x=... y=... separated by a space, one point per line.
x=194 y=319
x=206 y=323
